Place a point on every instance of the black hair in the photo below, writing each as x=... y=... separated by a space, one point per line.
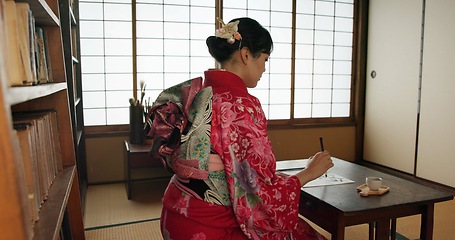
x=254 y=36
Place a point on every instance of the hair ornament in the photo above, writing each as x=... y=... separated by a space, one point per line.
x=228 y=31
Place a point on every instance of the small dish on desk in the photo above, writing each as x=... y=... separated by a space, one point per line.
x=364 y=191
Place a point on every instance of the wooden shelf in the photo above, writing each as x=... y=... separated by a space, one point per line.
x=69 y=11
x=42 y=12
x=61 y=211
x=25 y=93
x=53 y=209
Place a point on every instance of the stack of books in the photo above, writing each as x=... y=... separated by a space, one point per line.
x=28 y=52
x=38 y=137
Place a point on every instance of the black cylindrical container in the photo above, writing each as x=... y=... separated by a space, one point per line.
x=137 y=124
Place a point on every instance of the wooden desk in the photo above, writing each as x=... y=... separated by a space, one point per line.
x=335 y=207
x=137 y=157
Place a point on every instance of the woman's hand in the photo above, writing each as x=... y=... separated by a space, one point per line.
x=316 y=166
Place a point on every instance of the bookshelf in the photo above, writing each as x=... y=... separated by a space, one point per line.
x=69 y=15
x=61 y=210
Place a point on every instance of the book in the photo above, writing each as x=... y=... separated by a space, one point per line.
x=41 y=56
x=25 y=133
x=20 y=44
x=16 y=71
x=24 y=202
x=26 y=41
x=32 y=44
x=47 y=57
x=55 y=141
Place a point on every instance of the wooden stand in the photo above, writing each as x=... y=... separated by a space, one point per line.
x=137 y=157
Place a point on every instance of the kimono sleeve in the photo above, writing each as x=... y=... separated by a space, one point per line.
x=264 y=203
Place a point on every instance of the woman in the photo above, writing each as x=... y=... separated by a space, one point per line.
x=213 y=137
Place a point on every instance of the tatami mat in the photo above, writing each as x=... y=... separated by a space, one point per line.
x=444 y=220
x=108 y=204
x=148 y=230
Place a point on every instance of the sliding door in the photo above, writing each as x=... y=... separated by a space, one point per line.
x=392 y=87
x=435 y=159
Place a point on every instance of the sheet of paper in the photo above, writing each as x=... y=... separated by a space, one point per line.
x=331 y=179
x=291 y=164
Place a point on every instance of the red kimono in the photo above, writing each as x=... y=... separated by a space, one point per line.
x=244 y=198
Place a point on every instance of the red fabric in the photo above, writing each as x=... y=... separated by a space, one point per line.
x=186 y=217
x=264 y=204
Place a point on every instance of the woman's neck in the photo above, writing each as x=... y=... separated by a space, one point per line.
x=234 y=66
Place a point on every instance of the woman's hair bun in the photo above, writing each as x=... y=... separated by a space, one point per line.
x=255 y=37
x=220 y=49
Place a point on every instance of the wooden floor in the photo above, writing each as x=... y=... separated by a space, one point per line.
x=107 y=205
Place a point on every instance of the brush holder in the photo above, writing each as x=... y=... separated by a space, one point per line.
x=137 y=124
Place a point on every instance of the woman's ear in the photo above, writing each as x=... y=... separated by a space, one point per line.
x=245 y=54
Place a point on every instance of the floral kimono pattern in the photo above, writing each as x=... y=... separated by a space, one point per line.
x=261 y=204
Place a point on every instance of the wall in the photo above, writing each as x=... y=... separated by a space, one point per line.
x=105 y=155
x=304 y=142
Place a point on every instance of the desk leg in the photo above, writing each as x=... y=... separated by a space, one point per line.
x=382 y=229
x=427 y=223
x=338 y=233
x=127 y=171
x=371 y=231
x=128 y=180
x=393 y=229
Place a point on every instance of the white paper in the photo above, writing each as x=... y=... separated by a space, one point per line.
x=331 y=179
x=291 y=164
